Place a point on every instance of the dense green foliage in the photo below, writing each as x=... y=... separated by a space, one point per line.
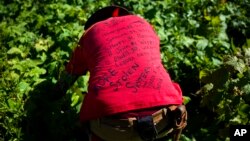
x=205 y=47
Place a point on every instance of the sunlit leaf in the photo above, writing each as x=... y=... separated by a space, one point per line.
x=237 y=64
x=75 y=100
x=11 y=104
x=36 y=39
x=202 y=44
x=23 y=86
x=215 y=21
x=14 y=50
x=187 y=41
x=203 y=73
x=247 y=52
x=186 y=99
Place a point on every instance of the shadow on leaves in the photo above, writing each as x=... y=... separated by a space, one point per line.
x=47 y=119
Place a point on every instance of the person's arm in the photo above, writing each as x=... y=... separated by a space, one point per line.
x=76 y=67
x=65 y=81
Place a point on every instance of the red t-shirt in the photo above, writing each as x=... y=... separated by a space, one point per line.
x=126 y=73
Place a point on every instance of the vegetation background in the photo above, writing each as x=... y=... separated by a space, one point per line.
x=205 y=47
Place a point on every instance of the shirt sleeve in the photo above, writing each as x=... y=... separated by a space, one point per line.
x=77 y=64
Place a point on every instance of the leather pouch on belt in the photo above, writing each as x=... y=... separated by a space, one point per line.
x=146 y=128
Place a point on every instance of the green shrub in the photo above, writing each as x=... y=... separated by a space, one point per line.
x=205 y=47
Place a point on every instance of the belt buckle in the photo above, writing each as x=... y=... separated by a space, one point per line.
x=159 y=115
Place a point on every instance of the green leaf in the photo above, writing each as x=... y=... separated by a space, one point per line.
x=246 y=93
x=186 y=99
x=13 y=75
x=244 y=110
x=246 y=89
x=75 y=100
x=237 y=64
x=223 y=36
x=19 y=67
x=43 y=44
x=187 y=41
x=208 y=87
x=215 y=21
x=216 y=61
x=202 y=44
x=218 y=77
x=37 y=71
x=14 y=50
x=247 y=52
x=11 y=104
x=203 y=73
x=23 y=86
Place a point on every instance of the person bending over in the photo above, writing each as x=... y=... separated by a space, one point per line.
x=130 y=95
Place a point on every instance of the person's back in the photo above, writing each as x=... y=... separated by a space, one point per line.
x=128 y=84
x=123 y=57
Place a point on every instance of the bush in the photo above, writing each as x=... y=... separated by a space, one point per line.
x=205 y=47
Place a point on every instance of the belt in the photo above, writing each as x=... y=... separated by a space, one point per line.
x=129 y=122
x=157 y=117
x=170 y=119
